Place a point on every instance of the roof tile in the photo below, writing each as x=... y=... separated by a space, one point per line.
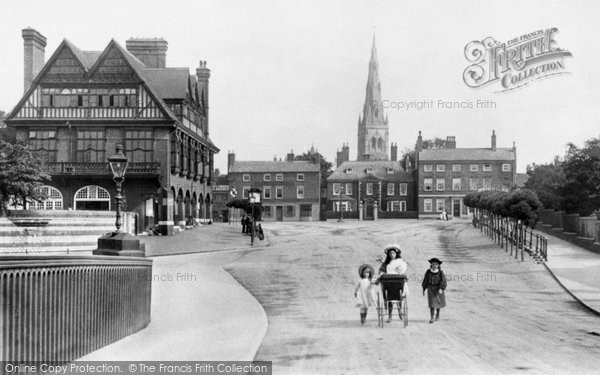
x=274 y=166
x=470 y=154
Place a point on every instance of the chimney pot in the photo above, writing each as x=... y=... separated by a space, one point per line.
x=151 y=51
x=34 y=45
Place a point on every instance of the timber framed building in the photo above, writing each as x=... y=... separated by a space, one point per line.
x=79 y=105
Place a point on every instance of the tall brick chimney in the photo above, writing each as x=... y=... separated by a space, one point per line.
x=493 y=140
x=344 y=155
x=34 y=45
x=203 y=75
x=290 y=156
x=151 y=51
x=451 y=141
x=419 y=144
x=230 y=160
x=394 y=152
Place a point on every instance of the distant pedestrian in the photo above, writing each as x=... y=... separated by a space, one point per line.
x=243 y=222
x=364 y=293
x=249 y=224
x=434 y=282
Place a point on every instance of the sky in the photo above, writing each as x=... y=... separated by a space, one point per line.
x=288 y=75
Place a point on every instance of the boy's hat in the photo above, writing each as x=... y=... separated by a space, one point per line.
x=394 y=247
x=361 y=269
x=436 y=260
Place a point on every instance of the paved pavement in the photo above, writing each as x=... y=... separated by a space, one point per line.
x=199 y=311
x=576 y=269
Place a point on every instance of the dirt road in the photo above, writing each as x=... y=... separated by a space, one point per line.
x=503 y=316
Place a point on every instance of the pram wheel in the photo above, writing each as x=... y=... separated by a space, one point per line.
x=392 y=290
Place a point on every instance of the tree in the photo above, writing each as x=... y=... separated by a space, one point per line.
x=20 y=174
x=245 y=205
x=518 y=204
x=581 y=192
x=547 y=181
x=315 y=157
x=428 y=144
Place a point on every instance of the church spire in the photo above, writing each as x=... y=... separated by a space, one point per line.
x=373 y=129
x=373 y=50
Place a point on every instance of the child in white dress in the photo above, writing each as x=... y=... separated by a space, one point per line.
x=365 y=291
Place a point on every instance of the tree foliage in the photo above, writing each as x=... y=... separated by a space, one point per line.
x=20 y=174
x=315 y=157
x=581 y=192
x=518 y=204
x=547 y=181
x=572 y=185
x=245 y=205
x=428 y=144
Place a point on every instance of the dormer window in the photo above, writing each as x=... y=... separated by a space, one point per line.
x=348 y=170
x=390 y=171
x=369 y=170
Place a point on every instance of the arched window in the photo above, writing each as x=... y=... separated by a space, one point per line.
x=380 y=144
x=92 y=197
x=54 y=200
x=373 y=143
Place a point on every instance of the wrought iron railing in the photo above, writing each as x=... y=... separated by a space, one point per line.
x=510 y=232
x=69 y=168
x=59 y=308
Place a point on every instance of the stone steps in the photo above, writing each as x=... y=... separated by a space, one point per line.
x=56 y=232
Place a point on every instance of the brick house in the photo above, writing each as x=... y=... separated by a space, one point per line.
x=220 y=192
x=382 y=186
x=446 y=175
x=79 y=105
x=290 y=189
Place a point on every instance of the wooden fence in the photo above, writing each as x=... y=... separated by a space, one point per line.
x=59 y=308
x=511 y=233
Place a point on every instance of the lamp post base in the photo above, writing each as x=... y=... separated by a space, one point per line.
x=120 y=244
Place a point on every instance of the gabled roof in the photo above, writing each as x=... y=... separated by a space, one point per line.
x=87 y=59
x=273 y=166
x=369 y=170
x=467 y=154
x=161 y=83
x=170 y=83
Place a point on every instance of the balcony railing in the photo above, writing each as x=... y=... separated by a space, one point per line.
x=59 y=308
x=68 y=168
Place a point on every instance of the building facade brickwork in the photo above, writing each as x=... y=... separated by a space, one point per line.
x=361 y=187
x=290 y=190
x=446 y=175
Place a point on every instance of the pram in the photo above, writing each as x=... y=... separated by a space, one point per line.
x=391 y=294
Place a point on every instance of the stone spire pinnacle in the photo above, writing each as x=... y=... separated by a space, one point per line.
x=373 y=129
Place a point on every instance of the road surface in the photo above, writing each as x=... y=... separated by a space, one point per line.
x=503 y=315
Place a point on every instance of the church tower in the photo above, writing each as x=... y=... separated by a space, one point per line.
x=373 y=132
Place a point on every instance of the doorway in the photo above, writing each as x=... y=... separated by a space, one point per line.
x=279 y=213
x=456 y=207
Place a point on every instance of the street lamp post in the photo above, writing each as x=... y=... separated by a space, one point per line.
x=341 y=209
x=118 y=166
x=119 y=243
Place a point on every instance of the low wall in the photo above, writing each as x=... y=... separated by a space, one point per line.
x=380 y=215
x=581 y=231
x=59 y=308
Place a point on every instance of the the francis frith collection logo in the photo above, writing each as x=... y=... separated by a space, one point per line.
x=515 y=63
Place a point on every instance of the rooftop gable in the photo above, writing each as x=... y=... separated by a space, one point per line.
x=382 y=170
